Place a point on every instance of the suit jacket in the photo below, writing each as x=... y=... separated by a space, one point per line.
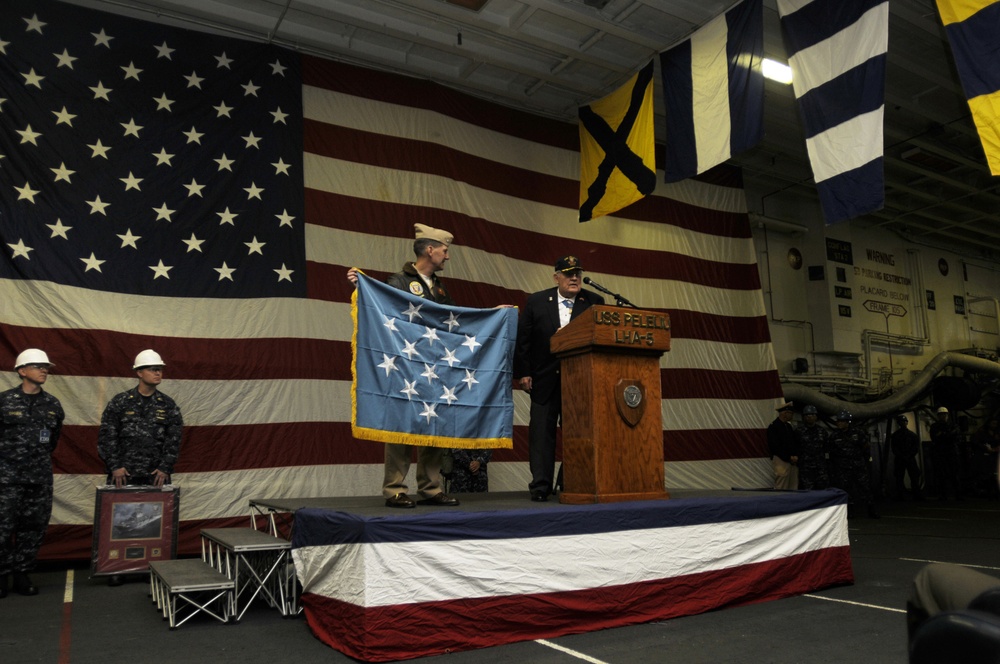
x=536 y=324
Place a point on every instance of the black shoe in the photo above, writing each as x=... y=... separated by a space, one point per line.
x=539 y=497
x=3 y=586
x=400 y=500
x=115 y=580
x=439 y=500
x=22 y=585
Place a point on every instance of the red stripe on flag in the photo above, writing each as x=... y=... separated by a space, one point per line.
x=105 y=353
x=367 y=216
x=405 y=631
x=419 y=93
x=714 y=444
x=246 y=447
x=430 y=159
x=65 y=542
x=707 y=384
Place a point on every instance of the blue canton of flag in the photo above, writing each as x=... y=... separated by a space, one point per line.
x=429 y=374
x=141 y=159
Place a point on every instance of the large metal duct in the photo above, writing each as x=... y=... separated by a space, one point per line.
x=901 y=399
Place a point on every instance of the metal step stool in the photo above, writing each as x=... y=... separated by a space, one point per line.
x=177 y=585
x=258 y=563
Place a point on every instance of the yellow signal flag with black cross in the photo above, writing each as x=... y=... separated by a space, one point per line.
x=617 y=148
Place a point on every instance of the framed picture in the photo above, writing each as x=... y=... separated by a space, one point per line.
x=133 y=526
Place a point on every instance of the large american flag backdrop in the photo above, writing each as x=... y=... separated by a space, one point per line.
x=204 y=196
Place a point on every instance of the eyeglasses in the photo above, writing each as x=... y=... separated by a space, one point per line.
x=39 y=366
x=157 y=369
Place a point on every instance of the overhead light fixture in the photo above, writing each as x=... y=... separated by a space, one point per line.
x=776 y=71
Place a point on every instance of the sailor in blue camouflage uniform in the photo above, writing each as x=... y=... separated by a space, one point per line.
x=470 y=473
x=30 y=422
x=140 y=434
x=813 y=444
x=850 y=456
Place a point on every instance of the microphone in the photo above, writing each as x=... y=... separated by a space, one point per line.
x=619 y=300
x=591 y=282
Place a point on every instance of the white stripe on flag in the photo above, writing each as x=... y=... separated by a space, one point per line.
x=330 y=245
x=189 y=317
x=227 y=493
x=786 y=7
x=467 y=264
x=849 y=48
x=728 y=473
x=709 y=414
x=420 y=124
x=847 y=146
x=710 y=93
x=750 y=357
x=214 y=402
x=221 y=494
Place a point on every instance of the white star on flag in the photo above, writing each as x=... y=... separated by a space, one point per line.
x=449 y=357
x=413 y=311
x=430 y=334
x=388 y=363
x=20 y=249
x=410 y=349
x=448 y=394
x=410 y=390
x=429 y=373
x=428 y=411
x=470 y=379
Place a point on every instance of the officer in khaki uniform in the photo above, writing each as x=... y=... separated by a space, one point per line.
x=783 y=448
x=419 y=278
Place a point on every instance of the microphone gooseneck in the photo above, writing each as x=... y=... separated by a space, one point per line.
x=619 y=300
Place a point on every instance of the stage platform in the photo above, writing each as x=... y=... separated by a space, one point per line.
x=382 y=584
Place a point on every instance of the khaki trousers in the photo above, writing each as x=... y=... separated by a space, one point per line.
x=786 y=475
x=397 y=465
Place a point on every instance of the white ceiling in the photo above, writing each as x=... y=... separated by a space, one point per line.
x=552 y=56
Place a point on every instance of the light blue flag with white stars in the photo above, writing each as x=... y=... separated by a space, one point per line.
x=429 y=374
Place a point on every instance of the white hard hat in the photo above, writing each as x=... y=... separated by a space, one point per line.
x=942 y=409
x=31 y=356
x=148 y=358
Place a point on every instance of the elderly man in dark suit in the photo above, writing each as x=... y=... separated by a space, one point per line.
x=537 y=369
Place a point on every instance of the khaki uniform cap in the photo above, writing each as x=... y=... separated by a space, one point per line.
x=436 y=234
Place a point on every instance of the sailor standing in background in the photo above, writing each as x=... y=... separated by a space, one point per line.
x=30 y=422
x=783 y=446
x=140 y=434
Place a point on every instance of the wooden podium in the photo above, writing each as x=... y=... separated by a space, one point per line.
x=612 y=426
